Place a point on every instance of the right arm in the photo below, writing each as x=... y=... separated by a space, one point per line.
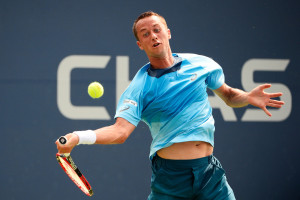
x=114 y=134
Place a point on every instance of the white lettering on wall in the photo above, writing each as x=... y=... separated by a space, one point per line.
x=123 y=80
x=64 y=103
x=122 y=76
x=248 y=83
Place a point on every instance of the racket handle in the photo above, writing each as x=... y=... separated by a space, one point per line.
x=63 y=140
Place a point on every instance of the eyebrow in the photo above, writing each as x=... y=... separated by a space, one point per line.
x=143 y=29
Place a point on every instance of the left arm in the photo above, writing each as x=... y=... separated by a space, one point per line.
x=257 y=97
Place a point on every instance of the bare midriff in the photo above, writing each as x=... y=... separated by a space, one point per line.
x=186 y=150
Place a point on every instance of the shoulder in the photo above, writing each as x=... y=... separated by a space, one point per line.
x=142 y=71
x=138 y=80
x=200 y=60
x=195 y=57
x=141 y=74
x=192 y=56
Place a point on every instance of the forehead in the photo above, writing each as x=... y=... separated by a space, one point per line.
x=149 y=22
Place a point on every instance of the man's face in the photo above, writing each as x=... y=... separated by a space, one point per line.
x=153 y=36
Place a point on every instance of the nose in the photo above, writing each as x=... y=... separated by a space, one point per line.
x=154 y=36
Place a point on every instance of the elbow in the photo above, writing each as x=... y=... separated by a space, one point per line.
x=123 y=135
x=122 y=139
x=123 y=130
x=227 y=101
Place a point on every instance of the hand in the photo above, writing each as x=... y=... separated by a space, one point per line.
x=71 y=143
x=257 y=97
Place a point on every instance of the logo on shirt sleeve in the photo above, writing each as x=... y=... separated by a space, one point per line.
x=130 y=102
x=124 y=108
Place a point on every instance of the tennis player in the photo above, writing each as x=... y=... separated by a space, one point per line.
x=169 y=95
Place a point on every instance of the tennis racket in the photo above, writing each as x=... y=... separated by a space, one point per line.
x=68 y=165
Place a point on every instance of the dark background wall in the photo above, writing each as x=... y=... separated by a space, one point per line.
x=261 y=157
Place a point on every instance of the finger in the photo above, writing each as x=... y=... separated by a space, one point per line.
x=273 y=95
x=274 y=105
x=266 y=111
x=67 y=136
x=276 y=102
x=59 y=146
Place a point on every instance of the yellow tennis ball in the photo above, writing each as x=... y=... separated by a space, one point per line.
x=95 y=90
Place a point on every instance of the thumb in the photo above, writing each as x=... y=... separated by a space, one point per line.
x=266 y=111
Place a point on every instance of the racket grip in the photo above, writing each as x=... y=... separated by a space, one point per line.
x=63 y=140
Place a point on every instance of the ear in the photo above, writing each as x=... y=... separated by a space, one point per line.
x=169 y=34
x=139 y=45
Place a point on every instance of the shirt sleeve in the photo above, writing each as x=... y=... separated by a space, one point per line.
x=216 y=76
x=129 y=109
x=130 y=105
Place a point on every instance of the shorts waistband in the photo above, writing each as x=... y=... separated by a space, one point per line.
x=184 y=163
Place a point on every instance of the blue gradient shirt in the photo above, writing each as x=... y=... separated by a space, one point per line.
x=173 y=102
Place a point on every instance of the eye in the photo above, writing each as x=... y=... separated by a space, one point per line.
x=146 y=34
x=156 y=30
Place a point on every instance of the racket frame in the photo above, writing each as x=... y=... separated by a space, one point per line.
x=66 y=157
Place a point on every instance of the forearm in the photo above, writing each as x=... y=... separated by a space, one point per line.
x=237 y=98
x=256 y=97
x=114 y=134
x=104 y=135
x=233 y=97
x=110 y=135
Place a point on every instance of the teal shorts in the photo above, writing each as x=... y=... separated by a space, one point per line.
x=197 y=179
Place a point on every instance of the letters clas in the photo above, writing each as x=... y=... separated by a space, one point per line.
x=122 y=81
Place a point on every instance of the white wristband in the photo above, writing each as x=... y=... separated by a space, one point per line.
x=86 y=137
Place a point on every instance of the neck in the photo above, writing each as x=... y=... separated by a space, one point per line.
x=162 y=62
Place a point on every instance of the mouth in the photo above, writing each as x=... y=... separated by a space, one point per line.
x=156 y=44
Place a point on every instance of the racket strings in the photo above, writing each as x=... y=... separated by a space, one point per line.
x=74 y=173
